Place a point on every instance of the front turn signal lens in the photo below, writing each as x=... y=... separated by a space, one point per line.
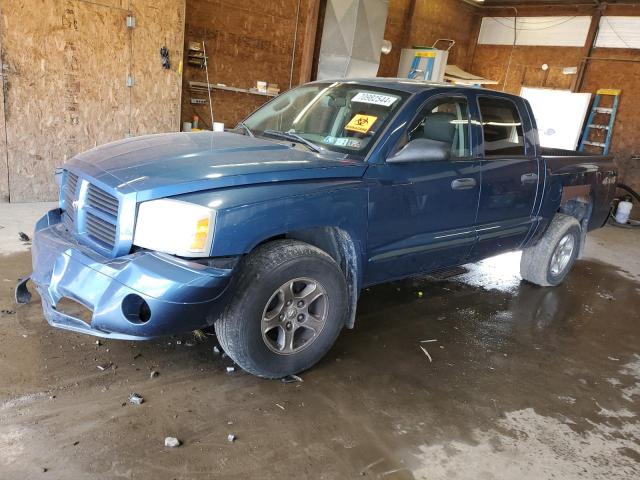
x=200 y=238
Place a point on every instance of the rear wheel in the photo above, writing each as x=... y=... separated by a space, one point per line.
x=288 y=308
x=548 y=263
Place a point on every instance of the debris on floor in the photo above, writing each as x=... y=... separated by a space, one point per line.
x=136 y=399
x=172 y=442
x=7 y=312
x=426 y=353
x=199 y=336
x=105 y=366
x=24 y=237
x=153 y=374
x=231 y=438
x=216 y=350
x=231 y=369
x=292 y=379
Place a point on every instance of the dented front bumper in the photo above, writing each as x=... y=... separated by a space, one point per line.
x=134 y=297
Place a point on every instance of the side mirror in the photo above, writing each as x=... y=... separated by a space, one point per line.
x=421 y=150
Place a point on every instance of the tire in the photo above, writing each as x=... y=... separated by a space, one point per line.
x=258 y=329
x=539 y=265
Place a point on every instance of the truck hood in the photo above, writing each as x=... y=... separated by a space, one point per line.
x=156 y=166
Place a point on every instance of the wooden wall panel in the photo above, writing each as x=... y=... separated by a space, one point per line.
x=429 y=21
x=156 y=96
x=62 y=91
x=626 y=76
x=67 y=71
x=4 y=167
x=445 y=19
x=245 y=41
x=492 y=61
x=395 y=33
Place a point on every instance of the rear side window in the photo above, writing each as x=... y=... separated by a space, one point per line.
x=502 y=127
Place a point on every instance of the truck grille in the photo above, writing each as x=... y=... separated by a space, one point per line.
x=101 y=200
x=70 y=187
x=101 y=230
x=97 y=218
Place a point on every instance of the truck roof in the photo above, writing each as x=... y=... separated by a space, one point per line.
x=405 y=84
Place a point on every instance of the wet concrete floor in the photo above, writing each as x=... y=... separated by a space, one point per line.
x=519 y=382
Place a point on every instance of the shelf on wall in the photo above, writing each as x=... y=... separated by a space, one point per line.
x=201 y=87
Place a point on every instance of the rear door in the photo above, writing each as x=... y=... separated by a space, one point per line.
x=510 y=173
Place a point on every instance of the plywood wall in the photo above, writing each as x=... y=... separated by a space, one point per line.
x=67 y=67
x=4 y=167
x=155 y=98
x=253 y=40
x=415 y=22
x=245 y=41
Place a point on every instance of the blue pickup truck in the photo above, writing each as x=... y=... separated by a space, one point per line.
x=270 y=231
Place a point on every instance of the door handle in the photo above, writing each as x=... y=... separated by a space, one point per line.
x=529 y=178
x=463 y=183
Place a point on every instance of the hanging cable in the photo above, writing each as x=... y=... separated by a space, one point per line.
x=522 y=29
x=513 y=47
x=616 y=33
x=206 y=69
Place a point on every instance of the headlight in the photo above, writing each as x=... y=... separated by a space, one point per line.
x=175 y=227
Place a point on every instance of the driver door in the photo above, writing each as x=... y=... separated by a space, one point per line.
x=422 y=213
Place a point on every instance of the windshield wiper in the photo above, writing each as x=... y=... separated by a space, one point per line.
x=246 y=129
x=295 y=138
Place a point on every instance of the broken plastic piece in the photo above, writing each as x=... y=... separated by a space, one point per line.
x=22 y=293
x=291 y=379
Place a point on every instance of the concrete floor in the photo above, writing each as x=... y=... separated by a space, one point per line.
x=523 y=382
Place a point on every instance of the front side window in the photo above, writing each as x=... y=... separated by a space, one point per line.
x=502 y=127
x=444 y=120
x=342 y=117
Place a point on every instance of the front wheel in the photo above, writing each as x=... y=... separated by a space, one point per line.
x=289 y=305
x=549 y=261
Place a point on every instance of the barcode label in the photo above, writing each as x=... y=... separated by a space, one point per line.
x=374 y=98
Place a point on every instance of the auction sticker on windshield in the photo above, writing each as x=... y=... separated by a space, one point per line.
x=361 y=123
x=374 y=98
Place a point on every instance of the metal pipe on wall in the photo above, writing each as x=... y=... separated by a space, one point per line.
x=295 y=41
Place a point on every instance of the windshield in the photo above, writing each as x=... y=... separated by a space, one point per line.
x=342 y=117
